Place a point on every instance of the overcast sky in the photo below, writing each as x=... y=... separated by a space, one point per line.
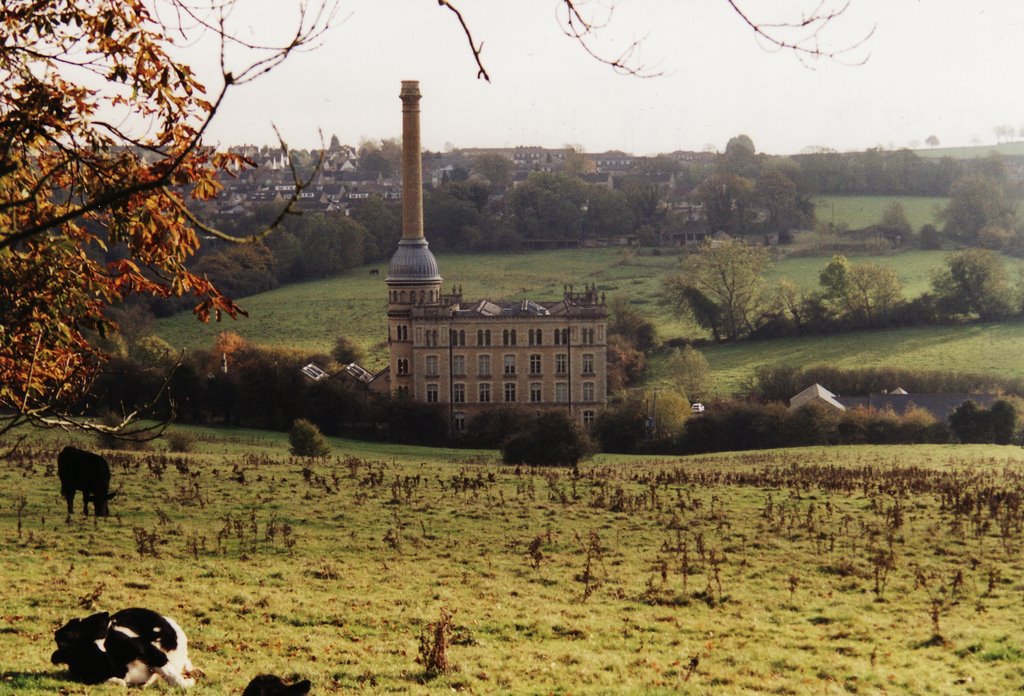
x=934 y=67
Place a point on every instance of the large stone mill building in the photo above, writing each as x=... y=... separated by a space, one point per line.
x=471 y=356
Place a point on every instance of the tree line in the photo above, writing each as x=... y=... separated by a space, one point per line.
x=722 y=286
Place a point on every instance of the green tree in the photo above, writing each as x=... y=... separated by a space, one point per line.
x=894 y=220
x=777 y=193
x=346 y=351
x=976 y=201
x=380 y=159
x=928 y=237
x=726 y=199
x=624 y=319
x=609 y=213
x=329 y=243
x=306 y=440
x=547 y=439
x=453 y=215
x=152 y=351
x=740 y=158
x=722 y=286
x=496 y=169
x=864 y=294
x=549 y=206
x=240 y=270
x=690 y=372
x=1003 y=419
x=383 y=225
x=975 y=282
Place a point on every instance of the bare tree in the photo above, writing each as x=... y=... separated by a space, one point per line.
x=805 y=36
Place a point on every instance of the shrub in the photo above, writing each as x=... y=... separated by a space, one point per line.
x=1003 y=419
x=621 y=426
x=306 y=440
x=180 y=440
x=547 y=439
x=346 y=351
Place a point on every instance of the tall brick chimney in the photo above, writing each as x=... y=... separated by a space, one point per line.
x=412 y=166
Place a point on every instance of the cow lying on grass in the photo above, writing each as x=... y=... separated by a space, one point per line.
x=87 y=472
x=273 y=685
x=132 y=648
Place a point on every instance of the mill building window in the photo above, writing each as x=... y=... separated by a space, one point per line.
x=588 y=391
x=535 y=392
x=561 y=392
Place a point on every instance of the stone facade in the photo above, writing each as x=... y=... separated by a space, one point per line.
x=471 y=356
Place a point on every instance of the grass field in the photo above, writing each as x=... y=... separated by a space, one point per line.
x=1015 y=149
x=992 y=349
x=813 y=571
x=310 y=316
x=861 y=211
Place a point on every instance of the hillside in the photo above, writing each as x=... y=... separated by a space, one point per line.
x=992 y=349
x=801 y=571
x=862 y=211
x=310 y=316
x=1015 y=149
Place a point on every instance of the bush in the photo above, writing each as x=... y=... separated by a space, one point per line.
x=180 y=440
x=306 y=440
x=547 y=439
x=972 y=423
x=489 y=429
x=347 y=351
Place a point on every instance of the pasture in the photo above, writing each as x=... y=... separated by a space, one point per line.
x=811 y=571
x=861 y=211
x=991 y=349
x=310 y=316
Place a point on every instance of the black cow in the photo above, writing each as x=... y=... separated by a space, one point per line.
x=87 y=472
x=273 y=685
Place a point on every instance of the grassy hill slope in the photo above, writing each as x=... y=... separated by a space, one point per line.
x=861 y=211
x=992 y=349
x=310 y=316
x=806 y=571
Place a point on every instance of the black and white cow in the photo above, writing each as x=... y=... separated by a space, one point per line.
x=273 y=685
x=132 y=648
x=88 y=472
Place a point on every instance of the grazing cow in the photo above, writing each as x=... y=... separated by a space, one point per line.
x=273 y=685
x=131 y=648
x=87 y=472
x=374 y=272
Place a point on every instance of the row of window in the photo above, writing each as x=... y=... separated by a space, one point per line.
x=459 y=420
x=432 y=365
x=509 y=337
x=509 y=390
x=423 y=296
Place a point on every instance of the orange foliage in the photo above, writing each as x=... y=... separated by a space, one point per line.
x=99 y=149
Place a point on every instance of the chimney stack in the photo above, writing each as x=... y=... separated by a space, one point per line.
x=412 y=167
